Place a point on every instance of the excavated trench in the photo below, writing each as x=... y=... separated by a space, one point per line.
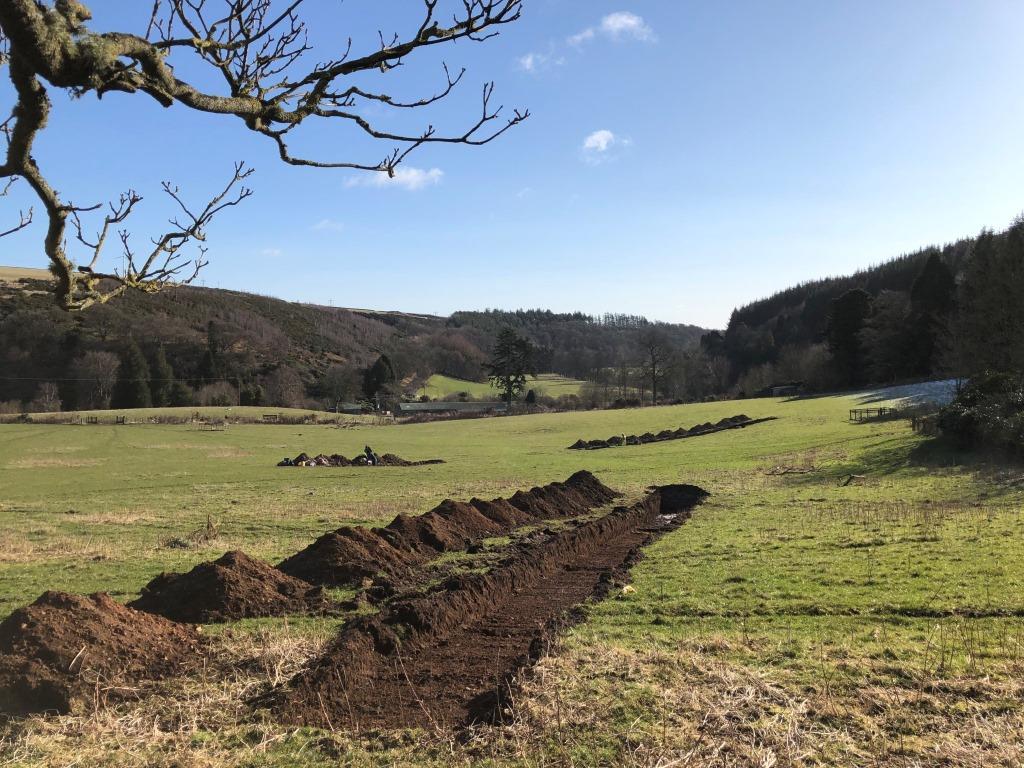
x=450 y=656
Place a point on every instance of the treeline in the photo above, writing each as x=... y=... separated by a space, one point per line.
x=577 y=345
x=198 y=346
x=950 y=311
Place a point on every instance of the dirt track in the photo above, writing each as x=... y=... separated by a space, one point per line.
x=448 y=657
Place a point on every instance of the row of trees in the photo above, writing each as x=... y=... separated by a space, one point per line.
x=953 y=311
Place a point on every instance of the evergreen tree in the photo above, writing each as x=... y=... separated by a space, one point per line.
x=934 y=289
x=885 y=338
x=379 y=379
x=181 y=394
x=132 y=387
x=161 y=378
x=992 y=305
x=845 y=322
x=511 y=361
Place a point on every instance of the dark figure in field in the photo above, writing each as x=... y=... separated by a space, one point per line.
x=371 y=458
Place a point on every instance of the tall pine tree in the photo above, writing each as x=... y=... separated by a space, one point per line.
x=132 y=387
x=161 y=378
x=510 y=363
x=845 y=322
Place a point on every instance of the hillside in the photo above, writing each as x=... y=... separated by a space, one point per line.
x=224 y=347
x=920 y=315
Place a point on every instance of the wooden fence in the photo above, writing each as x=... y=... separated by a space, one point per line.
x=874 y=414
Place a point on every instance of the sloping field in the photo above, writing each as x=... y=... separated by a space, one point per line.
x=800 y=617
x=550 y=384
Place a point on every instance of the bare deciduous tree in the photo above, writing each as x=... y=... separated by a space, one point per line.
x=658 y=359
x=259 y=51
x=96 y=374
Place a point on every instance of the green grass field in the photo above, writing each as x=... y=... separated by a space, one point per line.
x=549 y=384
x=792 y=621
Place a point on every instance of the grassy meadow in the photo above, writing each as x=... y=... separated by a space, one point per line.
x=795 y=620
x=549 y=384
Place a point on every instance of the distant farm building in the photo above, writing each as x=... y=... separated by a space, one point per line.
x=782 y=389
x=445 y=407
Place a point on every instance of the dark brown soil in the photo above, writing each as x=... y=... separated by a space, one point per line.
x=235 y=586
x=450 y=656
x=350 y=555
x=64 y=650
x=731 y=422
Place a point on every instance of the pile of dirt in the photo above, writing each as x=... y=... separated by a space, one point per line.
x=449 y=656
x=235 y=586
x=730 y=422
x=337 y=460
x=349 y=555
x=65 y=649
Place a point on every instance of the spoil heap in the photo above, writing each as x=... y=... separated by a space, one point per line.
x=235 y=586
x=351 y=554
x=451 y=655
x=65 y=649
x=731 y=422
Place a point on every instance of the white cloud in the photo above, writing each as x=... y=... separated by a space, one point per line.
x=535 y=62
x=271 y=252
x=531 y=62
x=616 y=26
x=625 y=24
x=600 y=145
x=406 y=177
x=328 y=225
x=581 y=37
x=599 y=141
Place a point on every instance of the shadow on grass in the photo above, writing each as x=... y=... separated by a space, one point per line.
x=889 y=456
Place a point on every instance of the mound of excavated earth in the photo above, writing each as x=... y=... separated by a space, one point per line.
x=351 y=554
x=730 y=422
x=65 y=649
x=235 y=586
x=450 y=656
x=337 y=460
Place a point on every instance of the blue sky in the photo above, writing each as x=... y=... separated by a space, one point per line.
x=682 y=157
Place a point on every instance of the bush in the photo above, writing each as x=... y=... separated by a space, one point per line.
x=988 y=413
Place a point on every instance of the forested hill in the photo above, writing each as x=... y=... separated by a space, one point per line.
x=921 y=314
x=224 y=346
x=800 y=313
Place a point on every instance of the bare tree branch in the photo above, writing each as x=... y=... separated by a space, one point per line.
x=259 y=49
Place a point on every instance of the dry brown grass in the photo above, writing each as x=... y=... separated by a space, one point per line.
x=16 y=549
x=50 y=462
x=695 y=705
x=228 y=452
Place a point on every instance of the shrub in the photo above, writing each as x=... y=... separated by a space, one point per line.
x=988 y=413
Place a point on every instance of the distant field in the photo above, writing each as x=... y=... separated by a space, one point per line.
x=550 y=384
x=205 y=412
x=12 y=274
x=795 y=620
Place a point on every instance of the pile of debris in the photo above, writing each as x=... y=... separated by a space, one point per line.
x=368 y=458
x=731 y=422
